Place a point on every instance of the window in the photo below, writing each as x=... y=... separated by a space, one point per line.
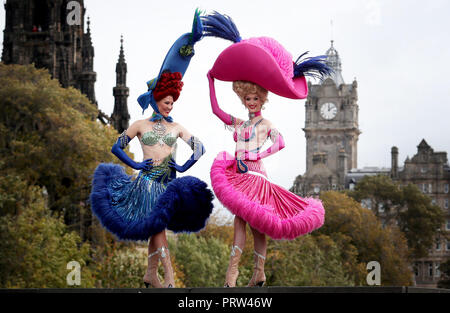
x=423 y=169
x=416 y=269
x=447 y=225
x=430 y=269
x=424 y=188
x=446 y=203
x=437 y=272
x=447 y=246
x=446 y=188
x=430 y=189
x=380 y=207
x=433 y=201
x=438 y=245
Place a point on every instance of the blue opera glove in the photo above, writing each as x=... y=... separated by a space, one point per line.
x=117 y=150
x=198 y=149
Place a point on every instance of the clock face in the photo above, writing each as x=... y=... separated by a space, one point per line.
x=328 y=110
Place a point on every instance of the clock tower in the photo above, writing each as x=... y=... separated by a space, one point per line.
x=331 y=130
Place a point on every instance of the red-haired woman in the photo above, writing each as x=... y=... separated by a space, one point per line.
x=144 y=207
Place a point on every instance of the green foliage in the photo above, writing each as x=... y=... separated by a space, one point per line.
x=417 y=217
x=203 y=260
x=361 y=239
x=50 y=136
x=306 y=261
x=119 y=265
x=421 y=221
x=36 y=246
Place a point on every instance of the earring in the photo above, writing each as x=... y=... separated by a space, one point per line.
x=263 y=107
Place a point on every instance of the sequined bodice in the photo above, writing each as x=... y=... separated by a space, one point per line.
x=151 y=138
x=245 y=131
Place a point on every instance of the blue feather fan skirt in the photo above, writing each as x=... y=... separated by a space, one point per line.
x=154 y=201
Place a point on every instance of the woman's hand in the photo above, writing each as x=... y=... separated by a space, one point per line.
x=177 y=167
x=209 y=75
x=145 y=165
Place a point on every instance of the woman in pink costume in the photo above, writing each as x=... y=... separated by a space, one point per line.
x=240 y=182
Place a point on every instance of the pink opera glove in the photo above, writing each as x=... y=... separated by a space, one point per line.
x=225 y=117
x=252 y=156
x=278 y=144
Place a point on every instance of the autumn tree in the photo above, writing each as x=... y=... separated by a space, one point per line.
x=306 y=261
x=35 y=244
x=363 y=239
x=49 y=135
x=202 y=260
x=406 y=206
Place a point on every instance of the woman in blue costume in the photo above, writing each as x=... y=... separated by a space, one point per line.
x=156 y=200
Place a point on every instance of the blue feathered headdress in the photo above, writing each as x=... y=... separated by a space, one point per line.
x=177 y=60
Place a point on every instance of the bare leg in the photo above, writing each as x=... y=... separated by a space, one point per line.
x=164 y=256
x=236 y=252
x=151 y=275
x=239 y=232
x=260 y=245
x=260 y=242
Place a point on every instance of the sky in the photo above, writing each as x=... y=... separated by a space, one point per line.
x=398 y=51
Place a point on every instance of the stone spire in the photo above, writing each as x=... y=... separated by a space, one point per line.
x=334 y=61
x=88 y=76
x=120 y=116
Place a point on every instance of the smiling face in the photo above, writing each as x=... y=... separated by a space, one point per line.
x=253 y=102
x=165 y=105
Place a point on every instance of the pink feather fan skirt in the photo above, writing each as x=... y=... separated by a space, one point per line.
x=267 y=207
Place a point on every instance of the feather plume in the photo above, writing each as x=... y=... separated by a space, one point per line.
x=316 y=67
x=197 y=28
x=220 y=25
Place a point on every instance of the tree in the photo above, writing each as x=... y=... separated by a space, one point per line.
x=363 y=239
x=416 y=216
x=202 y=260
x=50 y=136
x=35 y=245
x=306 y=261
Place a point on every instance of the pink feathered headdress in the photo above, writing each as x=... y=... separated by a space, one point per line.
x=261 y=60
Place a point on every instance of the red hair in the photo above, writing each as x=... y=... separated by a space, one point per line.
x=168 y=84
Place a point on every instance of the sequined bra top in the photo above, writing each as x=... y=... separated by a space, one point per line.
x=150 y=138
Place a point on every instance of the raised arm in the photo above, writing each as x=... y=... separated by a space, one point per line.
x=225 y=117
x=122 y=143
x=197 y=150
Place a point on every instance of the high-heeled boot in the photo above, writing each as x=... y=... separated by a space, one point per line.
x=164 y=256
x=258 y=278
x=232 y=271
x=151 y=275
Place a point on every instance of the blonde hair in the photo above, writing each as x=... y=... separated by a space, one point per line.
x=244 y=88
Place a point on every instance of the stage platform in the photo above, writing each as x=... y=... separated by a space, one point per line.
x=238 y=290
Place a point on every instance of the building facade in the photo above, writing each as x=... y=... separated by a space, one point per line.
x=429 y=171
x=39 y=32
x=332 y=132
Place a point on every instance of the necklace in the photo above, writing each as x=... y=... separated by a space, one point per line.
x=159 y=129
x=245 y=125
x=252 y=115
